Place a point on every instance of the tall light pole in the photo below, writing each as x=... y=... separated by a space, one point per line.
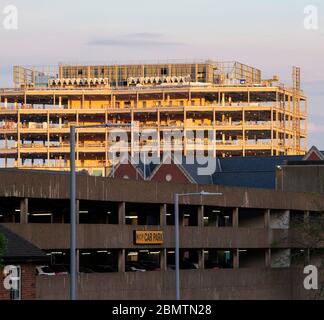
x=176 y=232
x=73 y=260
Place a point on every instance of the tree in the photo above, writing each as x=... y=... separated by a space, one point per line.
x=3 y=247
x=306 y=234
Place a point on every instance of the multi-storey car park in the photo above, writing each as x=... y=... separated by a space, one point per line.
x=243 y=244
x=230 y=109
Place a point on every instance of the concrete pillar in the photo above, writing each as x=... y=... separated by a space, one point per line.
x=235 y=217
x=236 y=262
x=78 y=260
x=24 y=210
x=121 y=260
x=267 y=218
x=201 y=259
x=77 y=211
x=200 y=216
x=163 y=259
x=268 y=258
x=181 y=218
x=163 y=212
x=121 y=212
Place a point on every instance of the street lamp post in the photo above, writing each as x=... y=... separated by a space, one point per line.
x=73 y=271
x=177 y=231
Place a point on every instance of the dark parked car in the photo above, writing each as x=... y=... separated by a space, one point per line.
x=184 y=264
x=85 y=270
x=104 y=268
x=60 y=269
x=150 y=265
x=209 y=264
x=134 y=266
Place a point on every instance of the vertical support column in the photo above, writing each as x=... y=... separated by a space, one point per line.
x=73 y=236
x=236 y=259
x=200 y=216
x=267 y=218
x=159 y=133
x=78 y=211
x=77 y=137
x=163 y=212
x=77 y=260
x=185 y=140
x=267 y=226
x=214 y=131
x=201 y=259
x=48 y=139
x=163 y=259
x=181 y=217
x=271 y=115
x=306 y=222
x=121 y=212
x=235 y=218
x=268 y=258
x=24 y=210
x=18 y=138
x=106 y=145
x=243 y=131
x=121 y=260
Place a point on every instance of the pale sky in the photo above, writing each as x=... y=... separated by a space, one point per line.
x=269 y=35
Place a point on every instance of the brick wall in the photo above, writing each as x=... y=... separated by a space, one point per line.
x=28 y=283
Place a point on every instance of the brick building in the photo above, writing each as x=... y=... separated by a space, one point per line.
x=23 y=255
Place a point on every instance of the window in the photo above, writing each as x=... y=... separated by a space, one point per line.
x=15 y=293
x=164 y=71
x=168 y=177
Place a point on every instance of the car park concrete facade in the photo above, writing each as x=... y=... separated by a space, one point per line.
x=257 y=233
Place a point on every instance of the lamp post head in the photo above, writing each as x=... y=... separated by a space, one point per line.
x=204 y=193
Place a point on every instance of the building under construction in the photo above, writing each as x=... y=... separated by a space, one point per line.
x=221 y=108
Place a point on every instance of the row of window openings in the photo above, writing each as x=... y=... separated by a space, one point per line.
x=218 y=217
x=142 y=214
x=214 y=217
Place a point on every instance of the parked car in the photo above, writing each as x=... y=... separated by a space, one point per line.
x=45 y=271
x=104 y=268
x=85 y=270
x=60 y=269
x=134 y=266
x=210 y=264
x=150 y=266
x=184 y=264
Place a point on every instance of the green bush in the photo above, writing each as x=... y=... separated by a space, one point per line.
x=3 y=247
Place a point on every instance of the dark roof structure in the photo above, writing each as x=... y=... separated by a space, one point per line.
x=252 y=172
x=20 y=250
